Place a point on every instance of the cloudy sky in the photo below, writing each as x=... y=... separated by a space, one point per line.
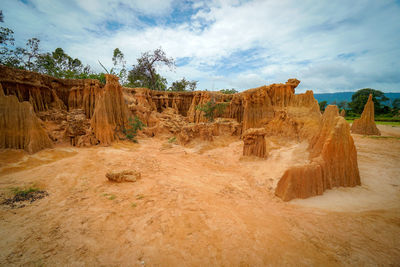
x=328 y=45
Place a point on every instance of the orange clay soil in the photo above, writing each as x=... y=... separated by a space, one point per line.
x=198 y=206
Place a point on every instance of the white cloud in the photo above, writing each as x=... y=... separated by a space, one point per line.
x=293 y=40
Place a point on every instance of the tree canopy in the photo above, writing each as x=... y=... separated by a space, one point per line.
x=183 y=85
x=322 y=105
x=360 y=98
x=229 y=91
x=144 y=73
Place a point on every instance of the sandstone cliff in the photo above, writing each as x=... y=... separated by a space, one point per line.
x=84 y=113
x=19 y=126
x=254 y=142
x=366 y=124
x=111 y=112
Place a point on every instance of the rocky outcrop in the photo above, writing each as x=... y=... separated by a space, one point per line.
x=207 y=131
x=366 y=124
x=84 y=113
x=42 y=91
x=111 y=112
x=333 y=161
x=123 y=176
x=343 y=113
x=254 y=142
x=84 y=97
x=19 y=126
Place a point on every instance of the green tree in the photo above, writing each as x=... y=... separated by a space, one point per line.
x=396 y=106
x=144 y=73
x=7 y=52
x=211 y=108
x=360 y=98
x=342 y=104
x=60 y=65
x=229 y=91
x=183 y=85
x=322 y=105
x=134 y=126
x=119 y=68
x=31 y=53
x=396 y=103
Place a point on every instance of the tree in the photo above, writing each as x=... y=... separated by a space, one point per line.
x=119 y=63
x=60 y=65
x=144 y=73
x=229 y=91
x=211 y=108
x=183 y=85
x=342 y=104
x=322 y=105
x=7 y=45
x=360 y=98
x=31 y=53
x=396 y=106
x=396 y=103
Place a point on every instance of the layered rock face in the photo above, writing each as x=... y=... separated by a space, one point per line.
x=366 y=124
x=333 y=158
x=19 y=126
x=111 y=112
x=207 y=131
x=84 y=97
x=42 y=91
x=254 y=142
x=84 y=113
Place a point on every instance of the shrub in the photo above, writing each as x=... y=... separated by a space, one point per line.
x=134 y=125
x=211 y=109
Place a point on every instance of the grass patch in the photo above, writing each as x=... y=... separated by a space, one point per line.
x=26 y=194
x=109 y=196
x=392 y=123
x=23 y=192
x=133 y=205
x=140 y=196
x=172 y=140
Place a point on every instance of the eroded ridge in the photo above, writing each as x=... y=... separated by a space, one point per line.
x=86 y=113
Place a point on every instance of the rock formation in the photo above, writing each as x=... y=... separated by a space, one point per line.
x=343 y=113
x=19 y=126
x=333 y=158
x=254 y=142
x=207 y=131
x=85 y=112
x=84 y=97
x=366 y=124
x=124 y=176
x=111 y=113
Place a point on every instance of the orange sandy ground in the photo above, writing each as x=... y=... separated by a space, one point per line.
x=197 y=206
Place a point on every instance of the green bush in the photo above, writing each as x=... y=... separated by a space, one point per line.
x=134 y=125
x=211 y=109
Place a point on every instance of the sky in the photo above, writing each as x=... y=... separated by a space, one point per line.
x=330 y=46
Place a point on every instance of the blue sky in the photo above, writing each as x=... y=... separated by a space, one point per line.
x=328 y=45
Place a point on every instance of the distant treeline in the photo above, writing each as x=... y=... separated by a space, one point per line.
x=346 y=96
x=353 y=102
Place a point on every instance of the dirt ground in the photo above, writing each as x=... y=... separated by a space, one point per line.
x=197 y=206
